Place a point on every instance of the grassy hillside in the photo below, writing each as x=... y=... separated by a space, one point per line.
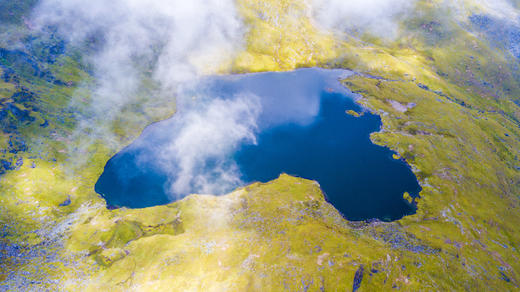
x=461 y=134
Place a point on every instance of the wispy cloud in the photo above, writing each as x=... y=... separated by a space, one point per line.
x=166 y=41
x=197 y=155
x=498 y=8
x=379 y=17
x=171 y=43
x=180 y=38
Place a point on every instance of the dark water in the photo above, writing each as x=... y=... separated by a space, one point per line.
x=301 y=128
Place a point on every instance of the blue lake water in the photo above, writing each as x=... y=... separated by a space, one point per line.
x=230 y=131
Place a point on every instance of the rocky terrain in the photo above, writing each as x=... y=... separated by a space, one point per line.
x=447 y=89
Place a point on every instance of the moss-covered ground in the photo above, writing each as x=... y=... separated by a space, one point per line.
x=448 y=98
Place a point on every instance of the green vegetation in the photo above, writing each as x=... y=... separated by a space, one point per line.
x=447 y=102
x=15 y=12
x=354 y=113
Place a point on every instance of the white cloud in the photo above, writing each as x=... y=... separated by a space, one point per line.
x=209 y=133
x=499 y=8
x=170 y=41
x=379 y=17
x=178 y=39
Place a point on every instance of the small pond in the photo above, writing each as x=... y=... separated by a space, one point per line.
x=230 y=131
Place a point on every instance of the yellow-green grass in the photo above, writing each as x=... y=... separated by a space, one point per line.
x=283 y=234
